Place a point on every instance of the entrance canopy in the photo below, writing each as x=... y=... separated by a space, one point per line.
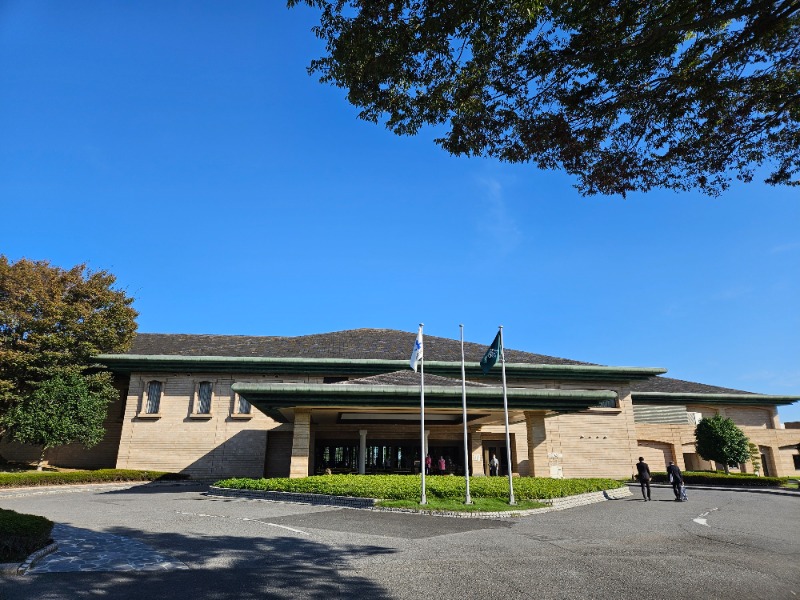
x=372 y=398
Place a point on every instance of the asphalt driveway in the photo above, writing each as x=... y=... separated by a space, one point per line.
x=175 y=542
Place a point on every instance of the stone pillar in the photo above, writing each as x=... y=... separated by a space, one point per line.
x=300 y=443
x=427 y=434
x=538 y=463
x=476 y=453
x=362 y=451
x=774 y=421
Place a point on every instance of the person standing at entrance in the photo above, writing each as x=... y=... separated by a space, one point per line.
x=428 y=463
x=676 y=479
x=494 y=466
x=442 y=465
x=643 y=473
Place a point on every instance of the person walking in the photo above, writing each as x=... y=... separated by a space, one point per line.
x=643 y=473
x=494 y=466
x=676 y=479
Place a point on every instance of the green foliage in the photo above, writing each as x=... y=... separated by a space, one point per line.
x=720 y=440
x=21 y=535
x=65 y=409
x=478 y=505
x=724 y=479
x=755 y=457
x=623 y=95
x=39 y=478
x=52 y=322
x=407 y=487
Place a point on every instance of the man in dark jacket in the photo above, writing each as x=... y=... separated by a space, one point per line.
x=643 y=473
x=676 y=479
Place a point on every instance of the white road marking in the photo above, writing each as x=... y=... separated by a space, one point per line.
x=292 y=529
x=701 y=520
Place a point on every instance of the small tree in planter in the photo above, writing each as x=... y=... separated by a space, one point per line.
x=720 y=440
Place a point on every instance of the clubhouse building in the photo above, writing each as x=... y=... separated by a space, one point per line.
x=215 y=406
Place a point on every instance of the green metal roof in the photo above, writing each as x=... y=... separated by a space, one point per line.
x=269 y=396
x=700 y=398
x=361 y=367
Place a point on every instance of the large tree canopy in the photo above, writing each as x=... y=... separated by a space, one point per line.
x=625 y=95
x=52 y=322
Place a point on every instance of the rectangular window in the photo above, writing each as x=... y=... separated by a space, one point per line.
x=796 y=458
x=204 y=398
x=153 y=398
x=242 y=406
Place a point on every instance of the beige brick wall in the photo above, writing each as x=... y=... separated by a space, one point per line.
x=221 y=444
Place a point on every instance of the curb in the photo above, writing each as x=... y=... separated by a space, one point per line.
x=555 y=504
x=20 y=569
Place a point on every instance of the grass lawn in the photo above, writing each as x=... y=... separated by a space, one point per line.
x=478 y=505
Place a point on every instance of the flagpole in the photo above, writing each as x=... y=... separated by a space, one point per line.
x=511 y=500
x=422 y=463
x=467 y=498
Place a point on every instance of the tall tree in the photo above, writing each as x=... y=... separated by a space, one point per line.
x=719 y=439
x=52 y=322
x=624 y=95
x=67 y=408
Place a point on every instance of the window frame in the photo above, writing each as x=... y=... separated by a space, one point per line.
x=195 y=412
x=235 y=413
x=143 y=413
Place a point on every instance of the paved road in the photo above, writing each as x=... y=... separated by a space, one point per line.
x=717 y=545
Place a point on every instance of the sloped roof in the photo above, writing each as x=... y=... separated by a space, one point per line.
x=384 y=344
x=381 y=344
x=409 y=377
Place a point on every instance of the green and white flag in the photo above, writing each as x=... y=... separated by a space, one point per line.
x=492 y=354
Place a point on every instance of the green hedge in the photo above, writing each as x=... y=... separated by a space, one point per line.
x=35 y=478
x=732 y=480
x=407 y=487
x=21 y=535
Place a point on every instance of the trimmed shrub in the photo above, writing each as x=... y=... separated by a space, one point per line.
x=21 y=535
x=407 y=487
x=36 y=478
x=732 y=480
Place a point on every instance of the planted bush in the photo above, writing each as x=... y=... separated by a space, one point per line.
x=21 y=535
x=34 y=478
x=732 y=480
x=407 y=487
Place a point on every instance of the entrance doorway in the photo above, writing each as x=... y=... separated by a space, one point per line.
x=497 y=449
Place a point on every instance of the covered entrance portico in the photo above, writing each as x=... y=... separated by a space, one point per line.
x=356 y=428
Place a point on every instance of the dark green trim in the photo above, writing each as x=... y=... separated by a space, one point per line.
x=692 y=398
x=270 y=396
x=128 y=363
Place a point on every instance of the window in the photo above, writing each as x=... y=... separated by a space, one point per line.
x=241 y=408
x=153 y=397
x=796 y=458
x=203 y=400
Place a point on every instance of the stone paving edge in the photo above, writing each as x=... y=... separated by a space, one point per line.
x=21 y=568
x=369 y=503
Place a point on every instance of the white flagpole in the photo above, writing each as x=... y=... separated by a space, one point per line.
x=511 y=500
x=422 y=463
x=467 y=498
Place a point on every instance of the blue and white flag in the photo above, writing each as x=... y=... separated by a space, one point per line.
x=416 y=353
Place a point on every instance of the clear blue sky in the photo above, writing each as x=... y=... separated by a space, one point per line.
x=183 y=147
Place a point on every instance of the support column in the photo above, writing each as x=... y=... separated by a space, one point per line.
x=300 y=443
x=362 y=451
x=476 y=453
x=538 y=463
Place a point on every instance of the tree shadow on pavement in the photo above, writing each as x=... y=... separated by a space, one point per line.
x=220 y=567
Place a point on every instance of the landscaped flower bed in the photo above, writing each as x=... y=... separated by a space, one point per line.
x=407 y=487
